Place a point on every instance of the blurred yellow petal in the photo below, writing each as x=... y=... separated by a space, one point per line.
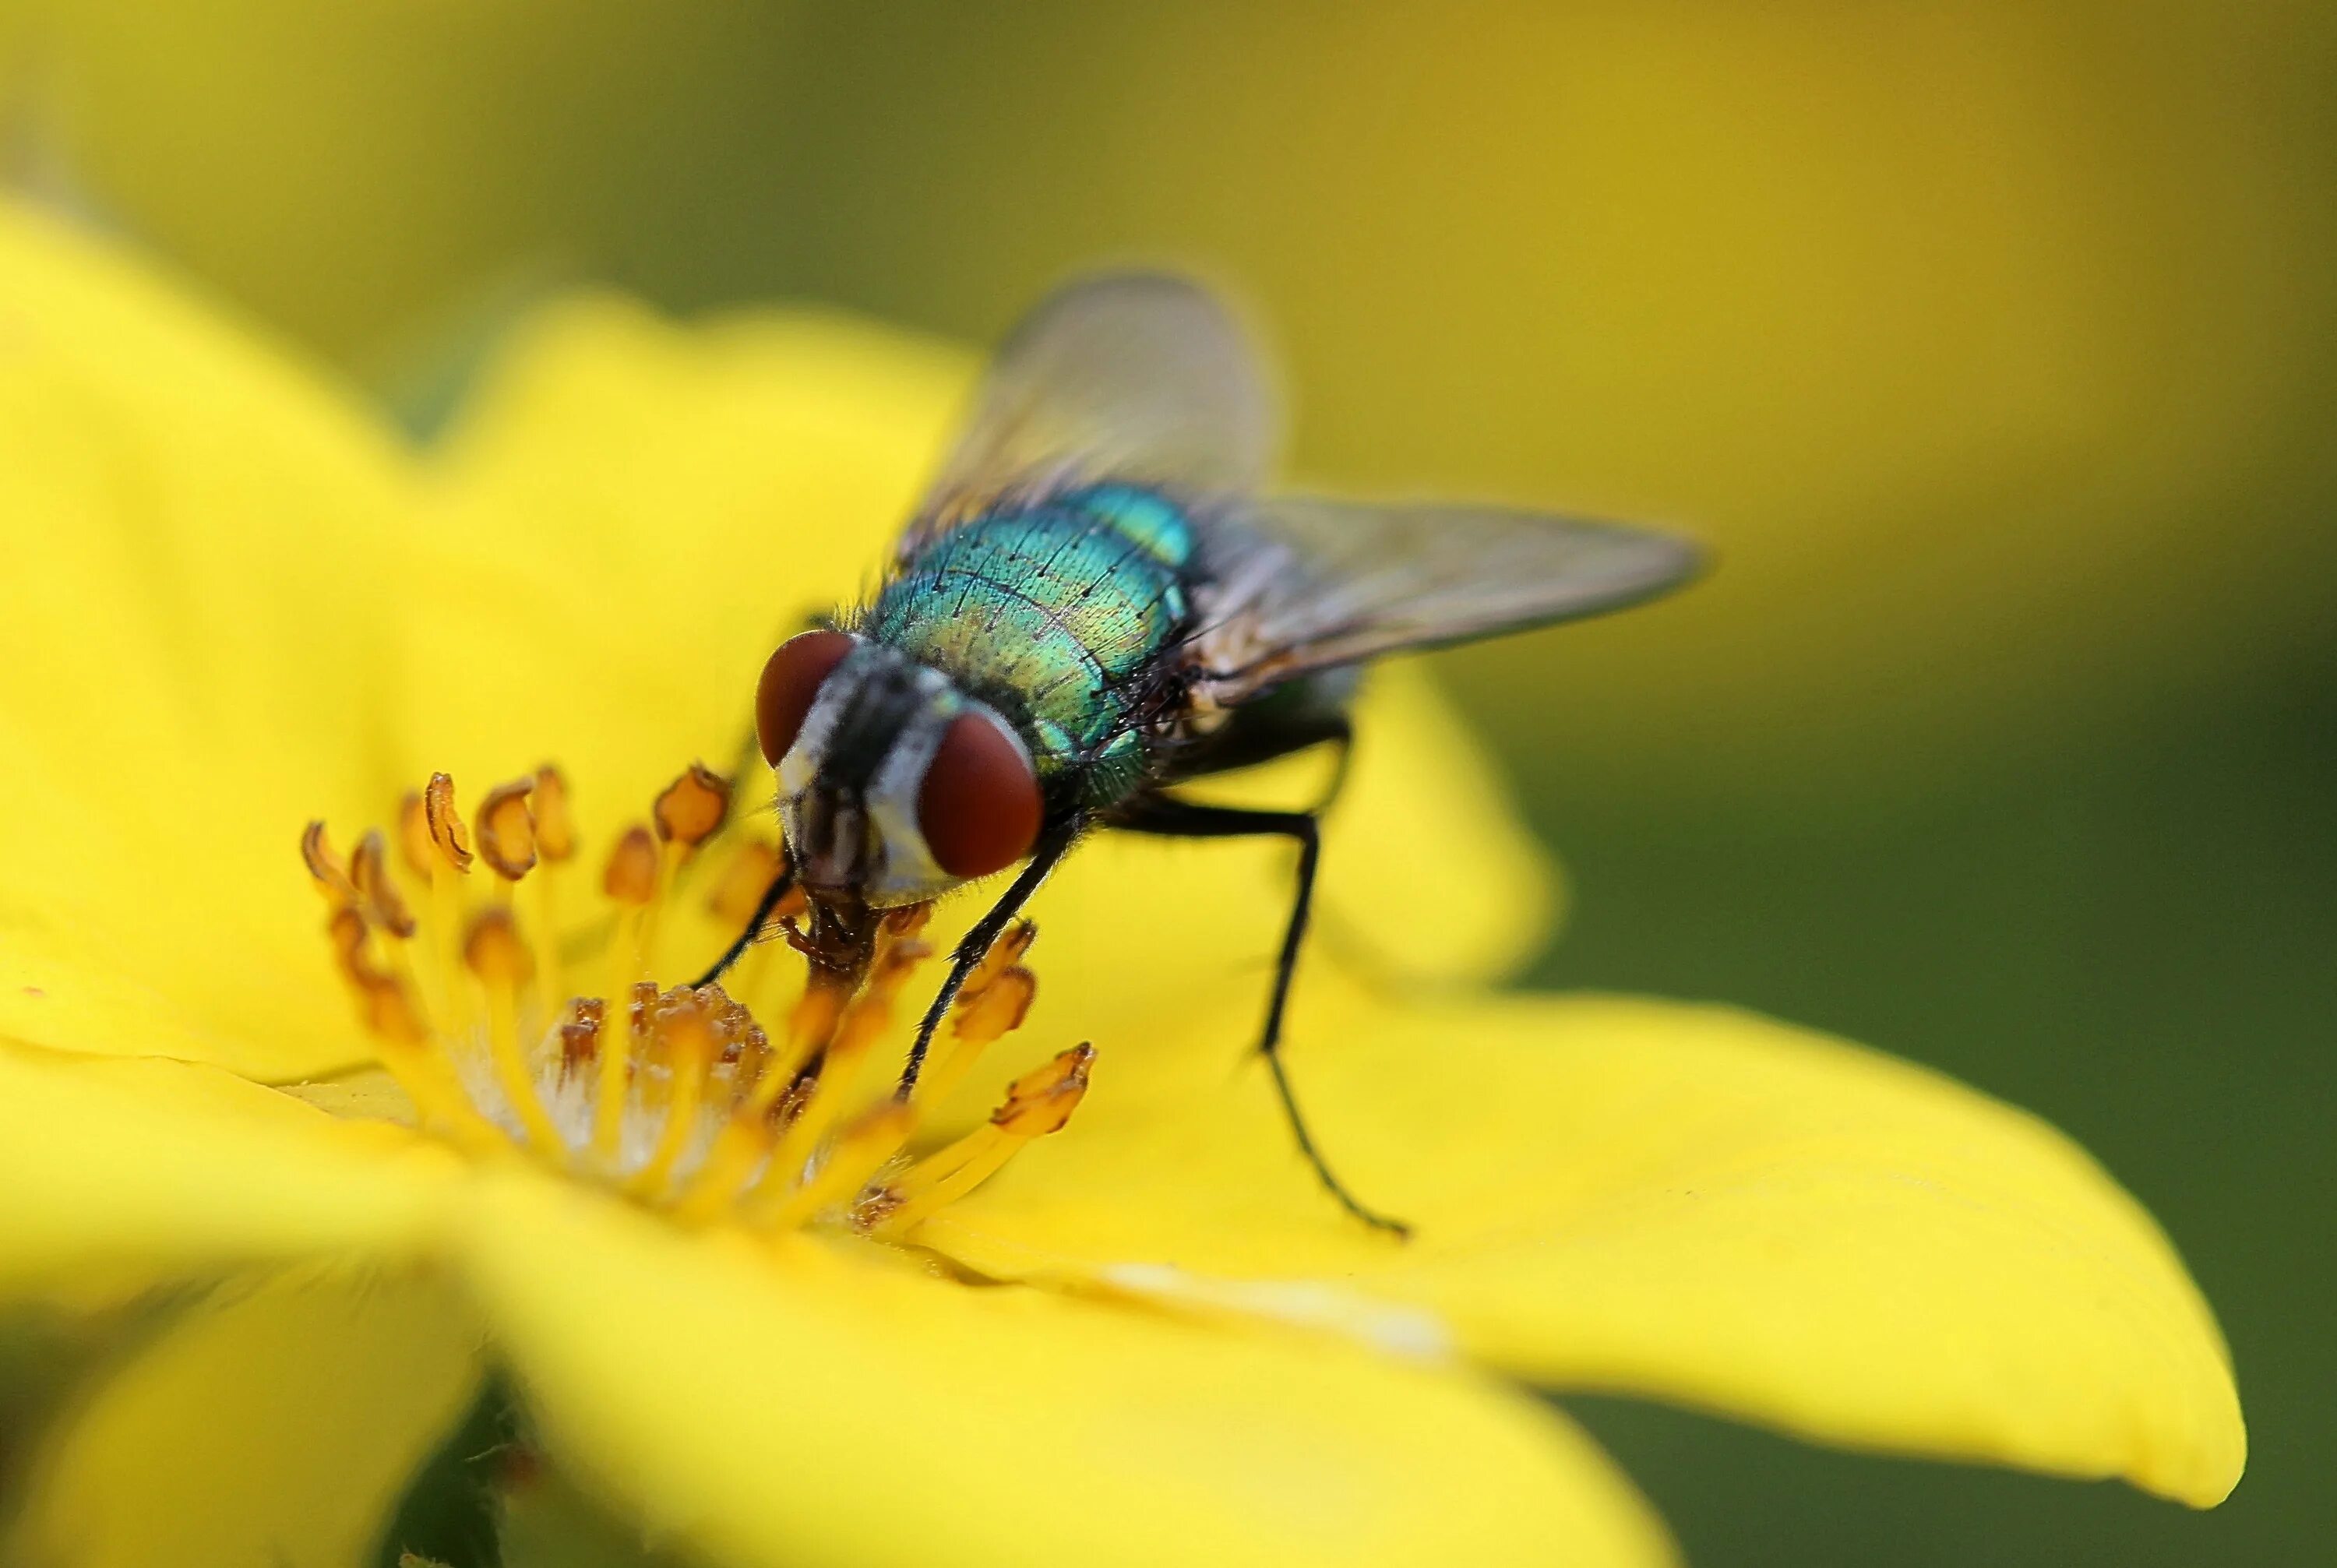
x=1427 y=822
x=275 y=1423
x=190 y=664
x=800 y=1407
x=1693 y=1203
x=139 y=1170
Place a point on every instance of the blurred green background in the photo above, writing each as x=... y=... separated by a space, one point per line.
x=1993 y=347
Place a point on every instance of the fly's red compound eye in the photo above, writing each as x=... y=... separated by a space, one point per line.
x=979 y=806
x=791 y=683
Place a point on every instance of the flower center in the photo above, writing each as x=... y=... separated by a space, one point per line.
x=519 y=1011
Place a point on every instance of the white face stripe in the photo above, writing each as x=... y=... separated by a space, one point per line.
x=901 y=868
x=906 y=870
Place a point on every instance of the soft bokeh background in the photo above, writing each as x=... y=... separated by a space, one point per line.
x=1993 y=347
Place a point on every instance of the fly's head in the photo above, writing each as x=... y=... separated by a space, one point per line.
x=895 y=785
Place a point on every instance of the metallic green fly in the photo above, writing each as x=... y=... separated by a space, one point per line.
x=1095 y=603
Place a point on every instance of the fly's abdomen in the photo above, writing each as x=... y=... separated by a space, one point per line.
x=1058 y=609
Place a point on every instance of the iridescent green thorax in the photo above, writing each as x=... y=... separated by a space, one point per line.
x=1053 y=611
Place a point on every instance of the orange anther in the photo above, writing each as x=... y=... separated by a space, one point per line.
x=692 y=806
x=739 y=892
x=632 y=873
x=507 y=829
x=390 y=1011
x=1006 y=951
x=1042 y=1101
x=369 y=872
x=555 y=824
x=332 y=878
x=445 y=823
x=998 y=1008
x=494 y=951
x=346 y=932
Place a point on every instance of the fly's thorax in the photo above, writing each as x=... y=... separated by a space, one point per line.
x=1069 y=607
x=852 y=783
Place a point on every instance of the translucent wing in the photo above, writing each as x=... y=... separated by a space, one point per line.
x=1305 y=585
x=1134 y=376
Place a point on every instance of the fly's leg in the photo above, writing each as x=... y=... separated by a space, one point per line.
x=1165 y=817
x=781 y=885
x=1054 y=843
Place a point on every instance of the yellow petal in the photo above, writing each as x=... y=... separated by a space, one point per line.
x=190 y=664
x=276 y=1424
x=798 y=1407
x=146 y=1168
x=1688 y=1202
x=1427 y=823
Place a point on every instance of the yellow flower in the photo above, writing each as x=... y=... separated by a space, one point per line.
x=235 y=603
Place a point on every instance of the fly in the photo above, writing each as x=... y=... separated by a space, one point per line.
x=1097 y=603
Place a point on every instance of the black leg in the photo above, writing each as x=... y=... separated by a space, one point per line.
x=778 y=889
x=1167 y=816
x=1054 y=843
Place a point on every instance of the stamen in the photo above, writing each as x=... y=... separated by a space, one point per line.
x=445 y=823
x=739 y=892
x=776 y=1088
x=675 y=1097
x=631 y=882
x=687 y=1036
x=508 y=830
x=390 y=1014
x=631 y=876
x=860 y=1151
x=994 y=1002
x=687 y=812
x=495 y=953
x=863 y=1019
x=555 y=843
x=416 y=846
x=1037 y=1104
x=555 y=824
x=384 y=907
x=369 y=874
x=332 y=877
x=693 y=806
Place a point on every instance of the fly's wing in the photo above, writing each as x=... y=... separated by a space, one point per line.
x=1305 y=585
x=1129 y=375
